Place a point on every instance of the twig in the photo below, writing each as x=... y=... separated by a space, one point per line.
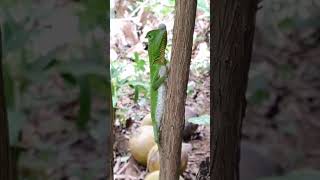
x=116 y=166
x=123 y=168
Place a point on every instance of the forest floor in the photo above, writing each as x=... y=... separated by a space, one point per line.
x=125 y=41
x=283 y=104
x=126 y=166
x=282 y=115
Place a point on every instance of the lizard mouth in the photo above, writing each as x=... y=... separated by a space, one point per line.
x=145 y=44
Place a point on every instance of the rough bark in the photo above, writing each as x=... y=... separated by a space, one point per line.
x=232 y=35
x=110 y=110
x=173 y=123
x=4 y=132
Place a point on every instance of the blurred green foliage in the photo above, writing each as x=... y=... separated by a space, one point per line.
x=258 y=90
x=122 y=79
x=278 y=19
x=93 y=14
x=85 y=72
x=304 y=174
x=23 y=68
x=19 y=70
x=282 y=24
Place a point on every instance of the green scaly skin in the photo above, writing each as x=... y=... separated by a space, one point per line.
x=157 y=42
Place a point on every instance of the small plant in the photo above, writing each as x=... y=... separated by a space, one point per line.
x=201 y=120
x=135 y=80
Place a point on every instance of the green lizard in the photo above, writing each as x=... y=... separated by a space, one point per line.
x=157 y=42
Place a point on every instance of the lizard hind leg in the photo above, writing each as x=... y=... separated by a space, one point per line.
x=156 y=134
x=160 y=106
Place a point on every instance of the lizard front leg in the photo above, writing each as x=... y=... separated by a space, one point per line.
x=158 y=80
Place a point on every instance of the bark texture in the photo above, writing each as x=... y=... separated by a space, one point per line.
x=232 y=34
x=4 y=132
x=110 y=110
x=173 y=123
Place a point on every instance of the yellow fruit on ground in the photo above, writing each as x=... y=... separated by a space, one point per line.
x=153 y=163
x=155 y=176
x=140 y=143
x=146 y=120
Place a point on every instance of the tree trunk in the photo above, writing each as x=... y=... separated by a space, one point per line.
x=110 y=110
x=110 y=139
x=173 y=123
x=4 y=132
x=232 y=36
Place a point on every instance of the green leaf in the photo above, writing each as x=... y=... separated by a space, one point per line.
x=136 y=94
x=100 y=84
x=259 y=96
x=286 y=23
x=165 y=11
x=93 y=13
x=257 y=89
x=69 y=78
x=139 y=87
x=134 y=83
x=139 y=63
x=190 y=88
x=85 y=102
x=114 y=91
x=201 y=120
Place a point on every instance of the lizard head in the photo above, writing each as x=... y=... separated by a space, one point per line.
x=156 y=33
x=157 y=42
